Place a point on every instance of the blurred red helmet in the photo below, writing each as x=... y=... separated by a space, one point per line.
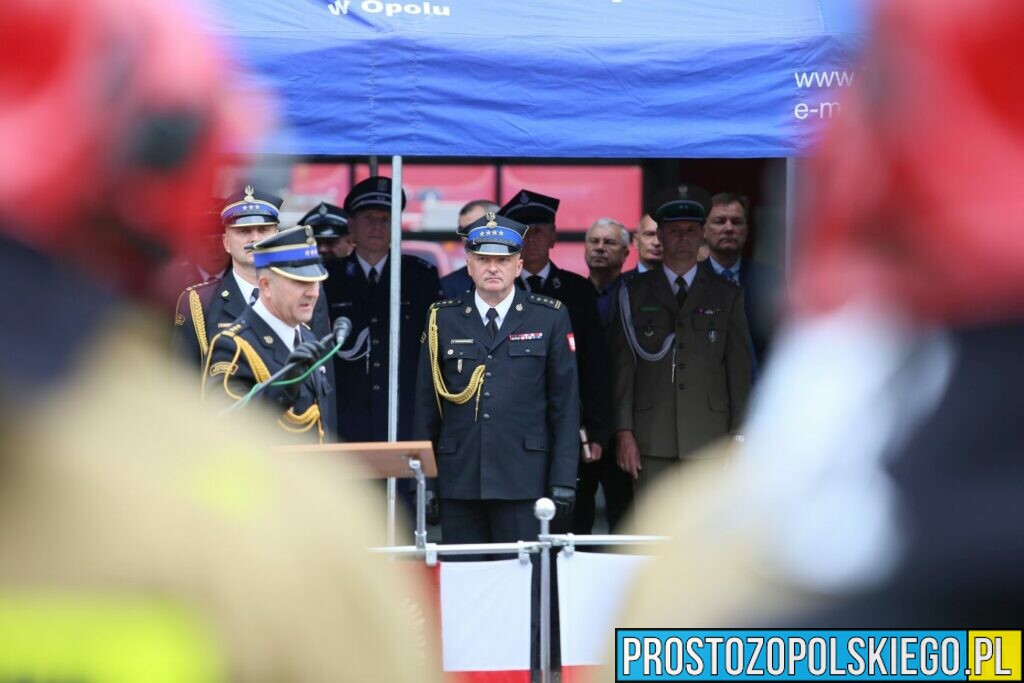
x=111 y=117
x=918 y=200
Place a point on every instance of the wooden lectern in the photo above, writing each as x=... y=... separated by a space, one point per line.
x=384 y=460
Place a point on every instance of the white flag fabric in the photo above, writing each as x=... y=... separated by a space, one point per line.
x=591 y=591
x=485 y=616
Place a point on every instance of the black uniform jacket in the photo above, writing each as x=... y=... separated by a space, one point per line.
x=455 y=284
x=222 y=303
x=578 y=295
x=521 y=437
x=362 y=384
x=249 y=352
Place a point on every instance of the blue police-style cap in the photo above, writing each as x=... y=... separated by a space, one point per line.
x=494 y=234
x=327 y=220
x=372 y=193
x=686 y=203
x=251 y=208
x=530 y=208
x=291 y=253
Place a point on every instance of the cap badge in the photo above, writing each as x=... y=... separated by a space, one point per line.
x=322 y=209
x=491 y=220
x=683 y=190
x=524 y=198
x=248 y=194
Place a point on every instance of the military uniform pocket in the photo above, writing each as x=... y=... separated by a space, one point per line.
x=528 y=358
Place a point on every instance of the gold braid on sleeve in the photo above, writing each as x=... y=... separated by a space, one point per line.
x=476 y=380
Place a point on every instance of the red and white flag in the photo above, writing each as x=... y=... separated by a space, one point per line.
x=592 y=589
x=485 y=621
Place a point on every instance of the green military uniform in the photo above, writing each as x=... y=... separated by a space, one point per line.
x=682 y=378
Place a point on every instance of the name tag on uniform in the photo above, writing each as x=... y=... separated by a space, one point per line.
x=462 y=341
x=526 y=336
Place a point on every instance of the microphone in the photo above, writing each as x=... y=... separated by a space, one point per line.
x=342 y=328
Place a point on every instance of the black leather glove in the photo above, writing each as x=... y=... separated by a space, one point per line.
x=433 y=505
x=564 y=499
x=303 y=356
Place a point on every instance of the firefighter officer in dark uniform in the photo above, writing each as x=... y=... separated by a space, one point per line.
x=207 y=308
x=275 y=332
x=497 y=394
x=541 y=276
x=358 y=287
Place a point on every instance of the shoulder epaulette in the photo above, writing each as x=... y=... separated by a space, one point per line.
x=425 y=264
x=446 y=303
x=200 y=285
x=233 y=330
x=545 y=301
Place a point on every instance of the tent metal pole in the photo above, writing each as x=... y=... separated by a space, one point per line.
x=790 y=213
x=394 y=324
x=373 y=165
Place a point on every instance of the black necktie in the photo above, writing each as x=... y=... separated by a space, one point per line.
x=535 y=283
x=373 y=277
x=681 y=292
x=492 y=321
x=254 y=296
x=298 y=339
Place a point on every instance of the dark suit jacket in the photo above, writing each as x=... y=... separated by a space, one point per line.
x=674 y=412
x=762 y=288
x=454 y=285
x=229 y=371
x=363 y=384
x=578 y=295
x=523 y=438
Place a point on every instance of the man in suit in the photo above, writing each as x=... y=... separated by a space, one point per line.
x=606 y=247
x=359 y=288
x=497 y=395
x=457 y=283
x=539 y=275
x=274 y=332
x=648 y=246
x=680 y=350
x=207 y=308
x=726 y=231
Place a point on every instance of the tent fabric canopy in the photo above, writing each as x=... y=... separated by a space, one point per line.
x=544 y=78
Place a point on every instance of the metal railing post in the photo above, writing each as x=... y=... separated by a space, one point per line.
x=544 y=510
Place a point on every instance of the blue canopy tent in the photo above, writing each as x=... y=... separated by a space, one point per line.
x=546 y=78
x=542 y=78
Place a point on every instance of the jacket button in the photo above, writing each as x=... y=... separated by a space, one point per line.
x=376 y=341
x=527 y=350
x=487 y=374
x=376 y=387
x=373 y=320
x=682 y=386
x=680 y=365
x=376 y=363
x=490 y=357
x=487 y=416
x=487 y=394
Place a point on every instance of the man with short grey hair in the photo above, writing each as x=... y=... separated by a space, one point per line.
x=606 y=247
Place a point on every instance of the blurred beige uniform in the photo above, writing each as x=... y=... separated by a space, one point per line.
x=118 y=485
